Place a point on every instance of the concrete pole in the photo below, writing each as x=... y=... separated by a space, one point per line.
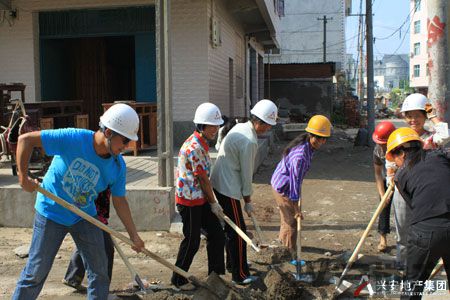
x=164 y=96
x=325 y=21
x=370 y=85
x=438 y=57
x=361 y=66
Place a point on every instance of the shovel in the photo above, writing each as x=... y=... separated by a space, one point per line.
x=298 y=276
x=240 y=232
x=134 y=275
x=258 y=232
x=126 y=240
x=437 y=269
x=354 y=257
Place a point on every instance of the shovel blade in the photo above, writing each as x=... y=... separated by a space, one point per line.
x=303 y=277
x=345 y=285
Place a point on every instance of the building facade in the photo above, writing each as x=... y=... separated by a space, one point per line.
x=418 y=68
x=303 y=69
x=104 y=50
x=301 y=32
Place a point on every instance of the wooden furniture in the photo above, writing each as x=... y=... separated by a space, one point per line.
x=147 y=124
x=63 y=113
x=82 y=121
x=46 y=123
x=6 y=91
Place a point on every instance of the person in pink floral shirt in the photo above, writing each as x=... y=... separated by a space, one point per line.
x=195 y=198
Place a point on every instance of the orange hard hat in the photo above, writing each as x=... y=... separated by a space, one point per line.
x=398 y=137
x=319 y=125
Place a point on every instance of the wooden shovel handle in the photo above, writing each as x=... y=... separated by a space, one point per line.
x=240 y=232
x=299 y=232
x=117 y=234
x=377 y=212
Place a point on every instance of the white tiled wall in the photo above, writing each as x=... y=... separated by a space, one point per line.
x=189 y=30
x=232 y=46
x=200 y=72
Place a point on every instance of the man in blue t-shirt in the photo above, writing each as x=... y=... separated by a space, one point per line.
x=84 y=164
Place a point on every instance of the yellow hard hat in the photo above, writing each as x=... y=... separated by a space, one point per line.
x=399 y=137
x=319 y=125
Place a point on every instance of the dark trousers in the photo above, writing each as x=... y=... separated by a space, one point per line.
x=426 y=245
x=194 y=219
x=76 y=269
x=236 y=246
x=384 y=226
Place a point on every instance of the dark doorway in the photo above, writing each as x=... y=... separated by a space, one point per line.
x=93 y=69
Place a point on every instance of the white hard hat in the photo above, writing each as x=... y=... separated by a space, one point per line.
x=209 y=114
x=266 y=110
x=414 y=102
x=122 y=119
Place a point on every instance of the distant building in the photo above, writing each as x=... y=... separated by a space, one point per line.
x=350 y=70
x=297 y=77
x=419 y=75
x=301 y=32
x=392 y=71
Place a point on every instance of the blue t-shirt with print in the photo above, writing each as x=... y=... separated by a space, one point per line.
x=77 y=174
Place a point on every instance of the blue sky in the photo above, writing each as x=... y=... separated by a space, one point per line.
x=389 y=15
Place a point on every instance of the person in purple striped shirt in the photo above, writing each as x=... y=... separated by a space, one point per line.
x=288 y=176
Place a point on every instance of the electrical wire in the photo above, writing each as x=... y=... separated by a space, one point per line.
x=408 y=17
x=401 y=43
x=320 y=48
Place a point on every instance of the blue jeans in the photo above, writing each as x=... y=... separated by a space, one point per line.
x=45 y=243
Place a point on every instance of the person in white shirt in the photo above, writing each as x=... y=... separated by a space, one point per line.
x=232 y=177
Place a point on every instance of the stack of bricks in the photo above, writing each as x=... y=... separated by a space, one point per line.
x=351 y=112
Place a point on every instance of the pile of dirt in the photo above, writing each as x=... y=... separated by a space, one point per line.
x=272 y=256
x=281 y=285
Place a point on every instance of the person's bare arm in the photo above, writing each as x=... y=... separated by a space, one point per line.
x=379 y=180
x=25 y=146
x=124 y=213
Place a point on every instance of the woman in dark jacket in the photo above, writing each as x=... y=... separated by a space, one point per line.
x=423 y=179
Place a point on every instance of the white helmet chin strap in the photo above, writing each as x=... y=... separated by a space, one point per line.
x=108 y=141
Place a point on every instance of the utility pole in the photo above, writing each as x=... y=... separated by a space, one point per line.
x=370 y=85
x=325 y=21
x=439 y=79
x=360 y=88
x=164 y=94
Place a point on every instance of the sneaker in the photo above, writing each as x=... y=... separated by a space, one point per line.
x=78 y=286
x=246 y=281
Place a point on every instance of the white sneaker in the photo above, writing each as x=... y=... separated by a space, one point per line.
x=246 y=281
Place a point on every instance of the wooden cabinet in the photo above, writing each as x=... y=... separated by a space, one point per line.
x=147 y=124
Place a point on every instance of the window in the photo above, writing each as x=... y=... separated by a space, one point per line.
x=417 y=26
x=417 y=5
x=416 y=70
x=279 y=7
x=416 y=48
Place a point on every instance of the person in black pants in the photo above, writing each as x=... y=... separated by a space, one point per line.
x=76 y=270
x=380 y=136
x=423 y=179
x=195 y=199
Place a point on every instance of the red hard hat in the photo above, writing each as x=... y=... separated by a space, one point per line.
x=382 y=132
